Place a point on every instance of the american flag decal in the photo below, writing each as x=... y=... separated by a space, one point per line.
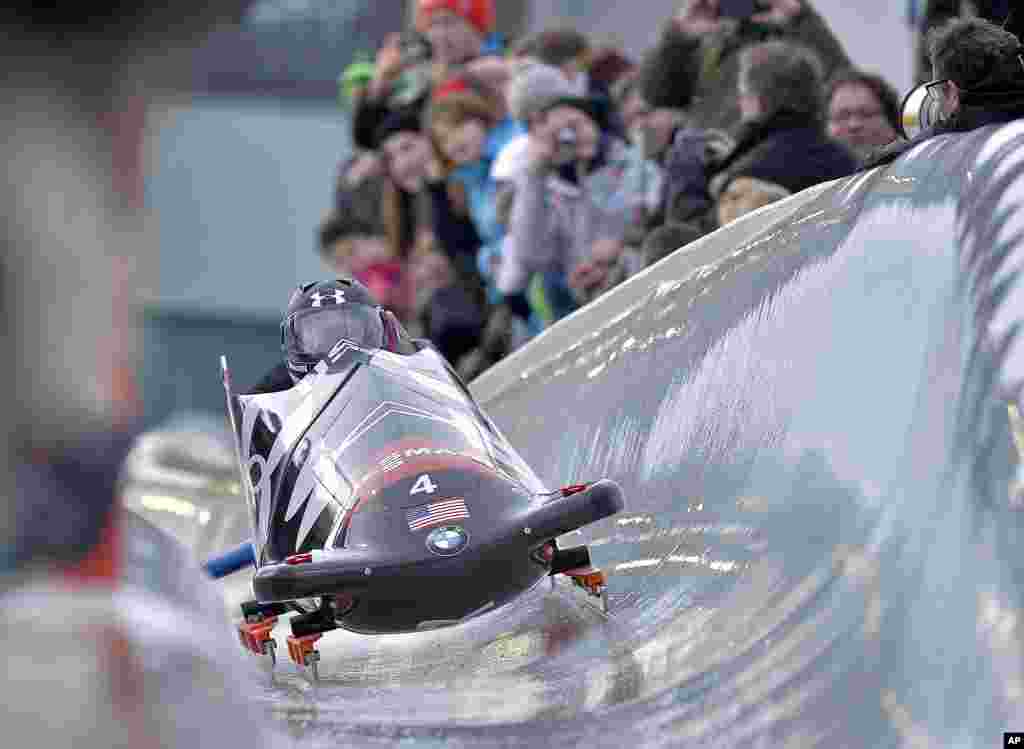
x=436 y=513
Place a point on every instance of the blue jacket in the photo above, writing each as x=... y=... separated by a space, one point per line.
x=481 y=190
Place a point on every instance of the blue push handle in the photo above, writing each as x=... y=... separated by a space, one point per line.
x=236 y=559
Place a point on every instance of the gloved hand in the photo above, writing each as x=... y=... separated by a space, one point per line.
x=495 y=342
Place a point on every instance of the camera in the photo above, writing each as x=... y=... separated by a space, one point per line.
x=565 y=148
x=415 y=80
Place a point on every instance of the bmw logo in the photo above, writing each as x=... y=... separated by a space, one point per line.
x=448 y=540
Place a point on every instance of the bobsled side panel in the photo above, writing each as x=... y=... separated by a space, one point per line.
x=395 y=594
x=271 y=426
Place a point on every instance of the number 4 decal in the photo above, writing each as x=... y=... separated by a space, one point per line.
x=423 y=485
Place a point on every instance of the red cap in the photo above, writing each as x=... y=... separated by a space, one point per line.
x=479 y=13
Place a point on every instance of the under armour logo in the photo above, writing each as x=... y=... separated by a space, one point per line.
x=337 y=296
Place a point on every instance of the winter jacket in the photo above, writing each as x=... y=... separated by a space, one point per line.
x=481 y=191
x=713 y=59
x=786 y=149
x=554 y=222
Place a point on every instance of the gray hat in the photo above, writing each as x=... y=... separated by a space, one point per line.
x=534 y=87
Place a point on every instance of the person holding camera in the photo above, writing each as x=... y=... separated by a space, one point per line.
x=580 y=184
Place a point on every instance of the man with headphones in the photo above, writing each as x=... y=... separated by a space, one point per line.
x=977 y=80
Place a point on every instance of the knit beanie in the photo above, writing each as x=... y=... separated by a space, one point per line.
x=533 y=88
x=479 y=13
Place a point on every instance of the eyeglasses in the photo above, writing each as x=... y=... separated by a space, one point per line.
x=845 y=115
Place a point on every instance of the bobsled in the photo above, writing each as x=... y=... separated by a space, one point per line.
x=384 y=500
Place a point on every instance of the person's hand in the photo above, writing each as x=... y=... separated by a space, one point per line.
x=389 y=57
x=388 y=65
x=780 y=12
x=698 y=17
x=586 y=277
x=435 y=170
x=541 y=145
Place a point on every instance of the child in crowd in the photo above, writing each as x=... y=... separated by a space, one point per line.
x=468 y=131
x=352 y=241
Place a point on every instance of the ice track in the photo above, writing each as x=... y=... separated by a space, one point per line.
x=821 y=545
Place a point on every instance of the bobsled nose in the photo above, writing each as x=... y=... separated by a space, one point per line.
x=600 y=500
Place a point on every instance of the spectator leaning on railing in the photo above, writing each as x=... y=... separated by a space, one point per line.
x=863 y=111
x=979 y=80
x=781 y=139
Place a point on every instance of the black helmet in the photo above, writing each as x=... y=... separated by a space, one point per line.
x=322 y=313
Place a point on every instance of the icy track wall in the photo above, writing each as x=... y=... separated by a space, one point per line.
x=811 y=412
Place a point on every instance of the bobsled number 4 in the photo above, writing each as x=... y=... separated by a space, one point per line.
x=384 y=500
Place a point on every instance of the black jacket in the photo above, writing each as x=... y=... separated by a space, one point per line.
x=979 y=109
x=274 y=381
x=787 y=149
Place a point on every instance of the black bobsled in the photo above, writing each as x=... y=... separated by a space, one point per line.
x=384 y=500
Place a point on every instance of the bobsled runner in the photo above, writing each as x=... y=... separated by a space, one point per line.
x=384 y=500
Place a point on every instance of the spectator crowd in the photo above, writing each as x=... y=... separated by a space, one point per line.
x=497 y=188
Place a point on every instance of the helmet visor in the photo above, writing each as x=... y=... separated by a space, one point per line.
x=314 y=332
